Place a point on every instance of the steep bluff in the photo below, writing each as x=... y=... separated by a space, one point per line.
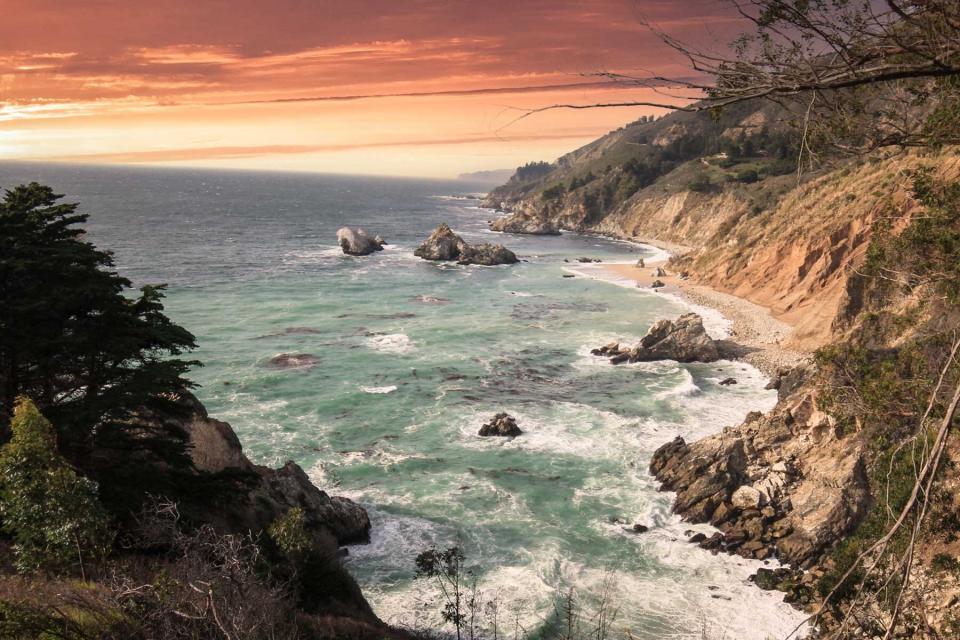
x=848 y=256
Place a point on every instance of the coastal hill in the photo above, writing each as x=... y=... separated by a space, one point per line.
x=857 y=257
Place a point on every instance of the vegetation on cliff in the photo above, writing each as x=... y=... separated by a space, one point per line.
x=125 y=511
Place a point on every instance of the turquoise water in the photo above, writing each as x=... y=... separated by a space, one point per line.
x=412 y=358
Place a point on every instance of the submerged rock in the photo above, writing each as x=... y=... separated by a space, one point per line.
x=292 y=360
x=515 y=223
x=502 y=425
x=728 y=381
x=444 y=245
x=358 y=243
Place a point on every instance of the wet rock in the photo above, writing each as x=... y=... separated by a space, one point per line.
x=487 y=254
x=728 y=381
x=637 y=528
x=516 y=223
x=292 y=361
x=697 y=538
x=428 y=299
x=568 y=275
x=659 y=273
x=641 y=264
x=684 y=341
x=358 y=243
x=444 y=245
x=657 y=284
x=502 y=425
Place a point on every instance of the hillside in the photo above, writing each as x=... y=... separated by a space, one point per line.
x=859 y=257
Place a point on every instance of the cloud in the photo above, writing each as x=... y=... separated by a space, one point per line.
x=230 y=152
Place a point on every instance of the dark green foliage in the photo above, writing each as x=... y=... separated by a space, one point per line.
x=700 y=183
x=553 y=193
x=532 y=171
x=75 y=341
x=945 y=563
x=747 y=176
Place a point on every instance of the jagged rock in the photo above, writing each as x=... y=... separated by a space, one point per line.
x=657 y=284
x=637 y=528
x=515 y=223
x=261 y=494
x=728 y=381
x=292 y=360
x=746 y=497
x=781 y=483
x=641 y=264
x=444 y=245
x=684 y=341
x=358 y=243
x=487 y=255
x=502 y=425
x=697 y=538
x=659 y=273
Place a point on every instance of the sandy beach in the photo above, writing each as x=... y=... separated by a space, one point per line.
x=755 y=335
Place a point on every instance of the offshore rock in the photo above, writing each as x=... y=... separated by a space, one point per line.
x=487 y=254
x=502 y=425
x=444 y=245
x=292 y=360
x=515 y=223
x=358 y=243
x=684 y=341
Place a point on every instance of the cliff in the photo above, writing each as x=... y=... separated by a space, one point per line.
x=848 y=257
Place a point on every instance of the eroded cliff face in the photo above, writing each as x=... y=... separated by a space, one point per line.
x=798 y=482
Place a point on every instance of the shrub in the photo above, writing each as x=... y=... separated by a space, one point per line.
x=52 y=512
x=289 y=532
x=700 y=183
x=747 y=176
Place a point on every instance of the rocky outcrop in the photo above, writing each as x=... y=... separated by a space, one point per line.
x=358 y=243
x=259 y=495
x=487 y=254
x=444 y=245
x=783 y=484
x=503 y=425
x=683 y=340
x=514 y=223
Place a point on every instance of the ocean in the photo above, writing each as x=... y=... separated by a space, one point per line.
x=411 y=358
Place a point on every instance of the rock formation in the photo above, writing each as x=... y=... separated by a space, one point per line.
x=358 y=243
x=444 y=245
x=502 y=425
x=261 y=494
x=684 y=341
x=781 y=484
x=522 y=224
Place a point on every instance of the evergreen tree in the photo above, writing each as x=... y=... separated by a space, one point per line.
x=74 y=339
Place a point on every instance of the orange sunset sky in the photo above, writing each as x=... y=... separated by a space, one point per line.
x=395 y=87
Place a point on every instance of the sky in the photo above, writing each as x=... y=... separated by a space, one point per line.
x=390 y=87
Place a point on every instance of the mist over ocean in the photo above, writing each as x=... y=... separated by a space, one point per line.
x=412 y=357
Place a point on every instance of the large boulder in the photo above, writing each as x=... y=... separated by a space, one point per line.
x=503 y=425
x=444 y=245
x=487 y=254
x=683 y=340
x=358 y=243
x=515 y=223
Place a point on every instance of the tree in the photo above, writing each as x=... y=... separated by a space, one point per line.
x=73 y=338
x=52 y=512
x=857 y=74
x=446 y=567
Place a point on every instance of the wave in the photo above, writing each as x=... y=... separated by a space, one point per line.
x=392 y=343
x=379 y=390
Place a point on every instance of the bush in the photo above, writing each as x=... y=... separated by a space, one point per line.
x=747 y=176
x=52 y=512
x=700 y=183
